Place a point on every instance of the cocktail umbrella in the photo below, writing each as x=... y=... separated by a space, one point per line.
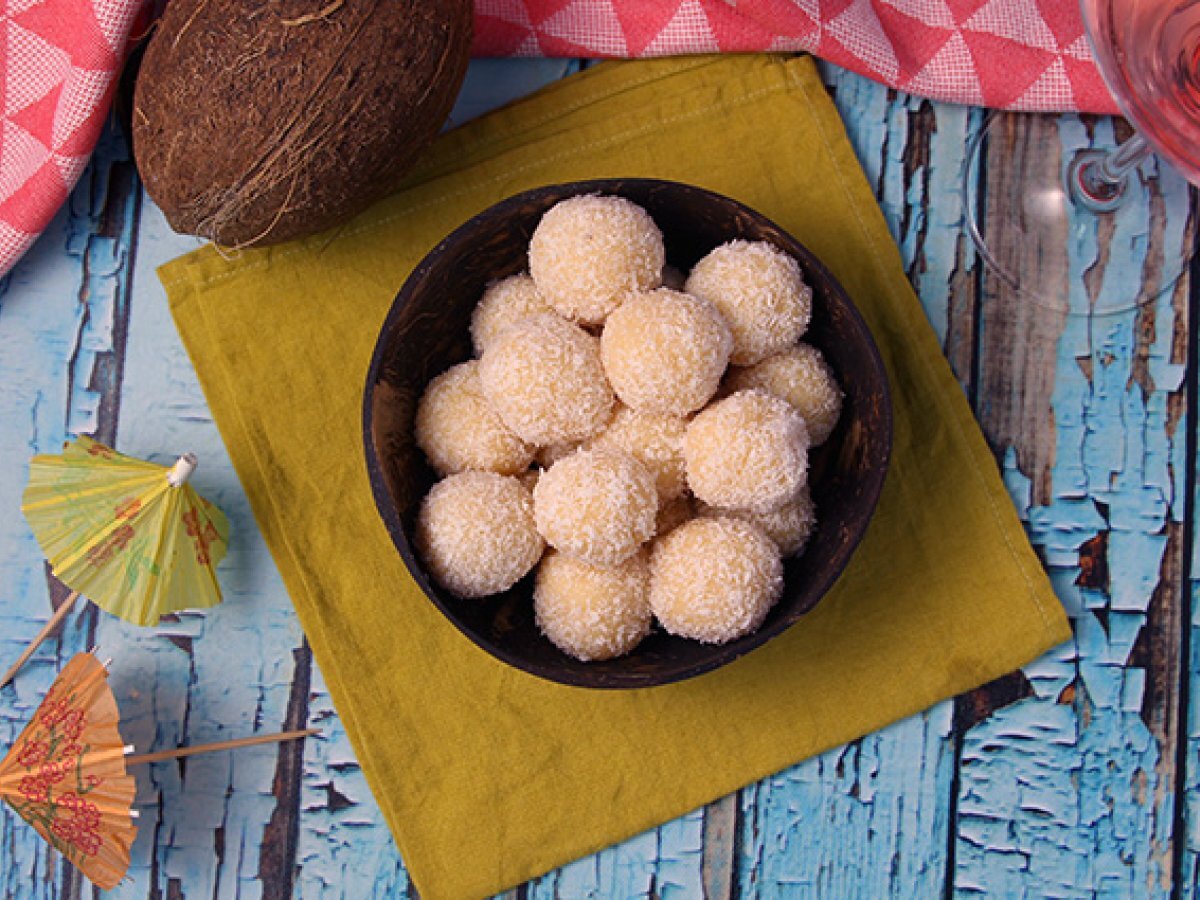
x=66 y=776
x=131 y=536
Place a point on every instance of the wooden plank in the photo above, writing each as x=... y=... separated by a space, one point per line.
x=224 y=673
x=63 y=318
x=1070 y=791
x=345 y=849
x=871 y=818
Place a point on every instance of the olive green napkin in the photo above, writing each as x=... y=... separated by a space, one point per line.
x=489 y=776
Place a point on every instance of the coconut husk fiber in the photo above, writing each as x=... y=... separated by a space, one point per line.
x=259 y=122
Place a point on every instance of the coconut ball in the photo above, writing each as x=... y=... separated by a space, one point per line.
x=458 y=429
x=800 y=376
x=504 y=302
x=592 y=612
x=655 y=440
x=665 y=352
x=748 y=451
x=790 y=526
x=760 y=291
x=476 y=533
x=588 y=252
x=596 y=505
x=672 y=514
x=544 y=378
x=714 y=579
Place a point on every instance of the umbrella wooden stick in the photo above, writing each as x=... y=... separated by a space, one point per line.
x=160 y=755
x=59 y=615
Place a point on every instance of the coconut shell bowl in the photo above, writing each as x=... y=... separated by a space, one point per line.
x=426 y=332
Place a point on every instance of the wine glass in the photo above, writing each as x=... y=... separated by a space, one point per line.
x=1149 y=54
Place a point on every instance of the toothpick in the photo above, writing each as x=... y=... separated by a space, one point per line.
x=59 y=615
x=159 y=755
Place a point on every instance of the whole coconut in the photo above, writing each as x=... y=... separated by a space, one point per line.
x=255 y=123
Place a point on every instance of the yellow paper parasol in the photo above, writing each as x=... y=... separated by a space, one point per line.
x=66 y=773
x=130 y=535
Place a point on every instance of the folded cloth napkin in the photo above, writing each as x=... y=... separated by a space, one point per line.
x=1010 y=54
x=487 y=775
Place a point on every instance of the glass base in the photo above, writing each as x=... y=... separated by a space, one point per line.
x=1057 y=254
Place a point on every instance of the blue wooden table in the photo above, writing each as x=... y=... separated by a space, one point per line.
x=1077 y=776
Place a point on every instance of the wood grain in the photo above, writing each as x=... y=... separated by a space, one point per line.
x=63 y=318
x=1070 y=790
x=1078 y=776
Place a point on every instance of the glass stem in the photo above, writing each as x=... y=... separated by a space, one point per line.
x=1120 y=161
x=1097 y=180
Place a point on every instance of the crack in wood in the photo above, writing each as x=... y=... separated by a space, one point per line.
x=277 y=858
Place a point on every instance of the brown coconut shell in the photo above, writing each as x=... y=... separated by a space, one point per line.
x=259 y=122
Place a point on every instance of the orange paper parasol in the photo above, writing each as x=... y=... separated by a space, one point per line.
x=66 y=773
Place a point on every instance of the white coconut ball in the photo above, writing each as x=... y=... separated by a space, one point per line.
x=665 y=352
x=802 y=377
x=714 y=579
x=458 y=429
x=588 y=252
x=596 y=505
x=592 y=612
x=505 y=302
x=748 y=451
x=476 y=533
x=544 y=378
x=760 y=291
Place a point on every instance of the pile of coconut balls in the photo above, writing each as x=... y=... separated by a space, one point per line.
x=641 y=439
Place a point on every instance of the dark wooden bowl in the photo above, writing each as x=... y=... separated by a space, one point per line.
x=426 y=332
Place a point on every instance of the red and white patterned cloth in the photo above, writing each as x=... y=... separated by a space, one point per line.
x=1012 y=54
x=61 y=58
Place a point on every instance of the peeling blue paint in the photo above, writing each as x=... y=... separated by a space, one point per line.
x=1062 y=793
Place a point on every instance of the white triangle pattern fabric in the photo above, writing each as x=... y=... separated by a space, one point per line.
x=688 y=24
x=1019 y=38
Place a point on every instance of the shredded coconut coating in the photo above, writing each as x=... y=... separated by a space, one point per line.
x=505 y=302
x=673 y=513
x=588 y=252
x=714 y=579
x=592 y=612
x=802 y=377
x=665 y=352
x=760 y=291
x=655 y=440
x=790 y=526
x=748 y=451
x=596 y=505
x=458 y=429
x=476 y=533
x=543 y=376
